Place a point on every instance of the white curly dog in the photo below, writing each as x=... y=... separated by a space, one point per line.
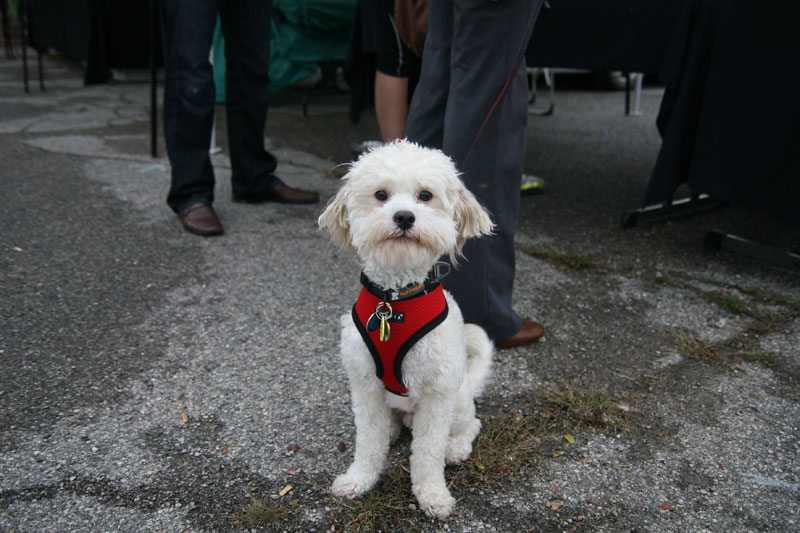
x=407 y=353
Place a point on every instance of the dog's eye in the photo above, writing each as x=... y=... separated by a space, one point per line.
x=382 y=196
x=425 y=196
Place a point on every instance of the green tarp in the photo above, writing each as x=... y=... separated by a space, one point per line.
x=304 y=33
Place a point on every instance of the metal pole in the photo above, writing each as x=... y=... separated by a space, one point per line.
x=153 y=82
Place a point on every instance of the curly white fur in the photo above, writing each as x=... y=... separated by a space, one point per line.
x=447 y=369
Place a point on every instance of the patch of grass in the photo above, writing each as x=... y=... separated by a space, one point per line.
x=770 y=298
x=763 y=323
x=661 y=278
x=590 y=408
x=728 y=301
x=644 y=380
x=768 y=360
x=566 y=261
x=695 y=348
x=260 y=513
x=730 y=351
x=505 y=444
x=765 y=359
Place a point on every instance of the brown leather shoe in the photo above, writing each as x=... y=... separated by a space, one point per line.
x=283 y=194
x=530 y=332
x=200 y=218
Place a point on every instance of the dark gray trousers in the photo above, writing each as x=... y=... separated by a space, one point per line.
x=472 y=103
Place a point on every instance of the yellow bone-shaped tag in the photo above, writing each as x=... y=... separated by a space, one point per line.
x=385 y=332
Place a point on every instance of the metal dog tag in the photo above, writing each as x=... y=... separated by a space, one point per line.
x=383 y=312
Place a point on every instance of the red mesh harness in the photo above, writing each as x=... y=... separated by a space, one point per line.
x=415 y=311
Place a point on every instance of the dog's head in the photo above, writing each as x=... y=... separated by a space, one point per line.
x=402 y=207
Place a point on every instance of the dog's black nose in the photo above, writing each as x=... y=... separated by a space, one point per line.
x=404 y=219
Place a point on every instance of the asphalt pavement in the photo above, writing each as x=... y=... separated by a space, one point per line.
x=154 y=380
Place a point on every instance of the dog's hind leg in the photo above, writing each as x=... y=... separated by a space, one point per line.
x=465 y=425
x=373 y=419
x=396 y=425
x=479 y=358
x=428 y=445
x=464 y=429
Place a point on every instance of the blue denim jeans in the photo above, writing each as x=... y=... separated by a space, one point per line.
x=189 y=96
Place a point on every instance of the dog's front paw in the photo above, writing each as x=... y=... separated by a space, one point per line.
x=438 y=504
x=347 y=486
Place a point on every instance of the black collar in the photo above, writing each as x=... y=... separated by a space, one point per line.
x=432 y=280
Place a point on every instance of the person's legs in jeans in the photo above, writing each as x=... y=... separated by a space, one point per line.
x=188 y=28
x=246 y=27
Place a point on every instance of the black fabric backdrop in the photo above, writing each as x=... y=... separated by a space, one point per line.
x=105 y=33
x=597 y=35
x=729 y=117
x=730 y=113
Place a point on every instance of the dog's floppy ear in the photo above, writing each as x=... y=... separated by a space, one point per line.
x=334 y=218
x=471 y=218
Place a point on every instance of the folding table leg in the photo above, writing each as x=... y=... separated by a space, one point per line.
x=667 y=210
x=776 y=255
